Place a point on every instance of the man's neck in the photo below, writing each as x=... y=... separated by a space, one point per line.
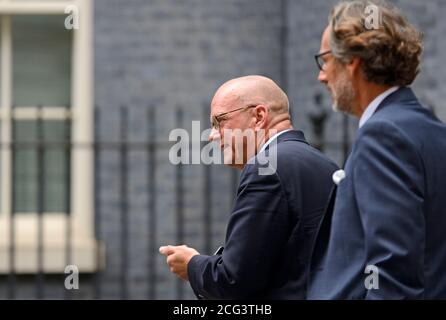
x=272 y=131
x=367 y=94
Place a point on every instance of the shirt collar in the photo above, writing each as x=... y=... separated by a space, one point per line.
x=371 y=108
x=272 y=138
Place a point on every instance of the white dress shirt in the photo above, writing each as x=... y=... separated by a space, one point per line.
x=272 y=138
x=371 y=108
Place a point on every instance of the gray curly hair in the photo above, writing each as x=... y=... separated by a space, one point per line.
x=391 y=54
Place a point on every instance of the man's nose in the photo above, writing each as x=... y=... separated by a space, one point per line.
x=214 y=135
x=322 y=77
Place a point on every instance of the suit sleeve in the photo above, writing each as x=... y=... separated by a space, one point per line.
x=389 y=188
x=256 y=233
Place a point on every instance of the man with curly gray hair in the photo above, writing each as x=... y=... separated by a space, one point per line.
x=382 y=235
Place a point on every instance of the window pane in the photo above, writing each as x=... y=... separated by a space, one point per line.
x=55 y=159
x=42 y=60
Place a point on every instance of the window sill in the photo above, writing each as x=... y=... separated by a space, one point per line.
x=83 y=255
x=83 y=246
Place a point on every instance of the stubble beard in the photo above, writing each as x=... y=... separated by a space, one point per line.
x=343 y=94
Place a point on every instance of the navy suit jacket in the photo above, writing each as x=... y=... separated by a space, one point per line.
x=271 y=228
x=389 y=211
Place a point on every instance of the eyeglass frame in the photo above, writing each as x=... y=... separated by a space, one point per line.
x=215 y=122
x=319 y=55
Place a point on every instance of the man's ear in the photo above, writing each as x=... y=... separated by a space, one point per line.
x=261 y=114
x=354 y=66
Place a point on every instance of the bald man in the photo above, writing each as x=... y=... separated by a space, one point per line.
x=272 y=226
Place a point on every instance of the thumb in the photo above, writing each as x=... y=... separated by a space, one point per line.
x=167 y=250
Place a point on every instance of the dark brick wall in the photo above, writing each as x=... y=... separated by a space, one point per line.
x=170 y=55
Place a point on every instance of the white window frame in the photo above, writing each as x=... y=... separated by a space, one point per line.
x=83 y=243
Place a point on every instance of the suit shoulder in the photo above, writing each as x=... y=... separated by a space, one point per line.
x=296 y=157
x=288 y=150
x=411 y=118
x=383 y=131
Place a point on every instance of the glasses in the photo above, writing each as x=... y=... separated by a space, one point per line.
x=215 y=121
x=321 y=62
